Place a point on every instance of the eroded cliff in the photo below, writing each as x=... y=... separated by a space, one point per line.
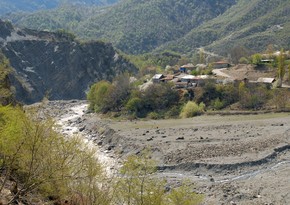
x=55 y=64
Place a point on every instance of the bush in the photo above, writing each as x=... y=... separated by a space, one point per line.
x=173 y=112
x=218 y=104
x=40 y=159
x=191 y=109
x=154 y=115
x=139 y=187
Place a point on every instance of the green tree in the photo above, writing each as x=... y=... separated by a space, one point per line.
x=97 y=96
x=201 y=56
x=256 y=59
x=40 y=159
x=137 y=186
x=281 y=65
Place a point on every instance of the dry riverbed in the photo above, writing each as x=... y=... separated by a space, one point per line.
x=239 y=159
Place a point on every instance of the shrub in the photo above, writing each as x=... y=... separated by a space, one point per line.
x=218 y=104
x=191 y=109
x=40 y=159
x=154 y=115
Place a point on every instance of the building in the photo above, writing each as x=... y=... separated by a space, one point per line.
x=221 y=64
x=157 y=78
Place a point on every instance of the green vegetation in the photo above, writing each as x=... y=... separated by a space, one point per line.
x=251 y=25
x=139 y=187
x=39 y=160
x=120 y=96
x=6 y=94
x=132 y=26
x=192 y=109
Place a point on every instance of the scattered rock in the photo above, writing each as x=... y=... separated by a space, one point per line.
x=150 y=139
x=180 y=138
x=82 y=128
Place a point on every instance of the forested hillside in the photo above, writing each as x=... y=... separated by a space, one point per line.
x=7 y=6
x=132 y=26
x=250 y=24
x=142 y=26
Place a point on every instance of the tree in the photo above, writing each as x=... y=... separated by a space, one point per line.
x=257 y=59
x=38 y=158
x=139 y=186
x=237 y=53
x=281 y=65
x=201 y=56
x=97 y=96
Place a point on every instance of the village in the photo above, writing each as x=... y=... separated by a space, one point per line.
x=222 y=72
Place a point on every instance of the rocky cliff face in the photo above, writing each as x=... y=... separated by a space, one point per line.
x=55 y=64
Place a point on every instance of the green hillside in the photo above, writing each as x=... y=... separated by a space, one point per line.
x=132 y=26
x=9 y=6
x=156 y=25
x=251 y=24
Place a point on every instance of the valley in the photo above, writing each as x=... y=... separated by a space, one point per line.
x=240 y=159
x=144 y=102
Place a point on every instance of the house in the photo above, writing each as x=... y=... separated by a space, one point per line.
x=167 y=78
x=188 y=78
x=267 y=60
x=187 y=67
x=221 y=64
x=266 y=80
x=157 y=78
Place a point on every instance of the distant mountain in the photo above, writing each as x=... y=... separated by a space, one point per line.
x=138 y=26
x=251 y=24
x=12 y=6
x=132 y=26
x=56 y=64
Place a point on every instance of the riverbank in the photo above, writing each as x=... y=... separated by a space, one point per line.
x=232 y=159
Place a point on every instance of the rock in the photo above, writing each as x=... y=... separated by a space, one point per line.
x=110 y=147
x=164 y=136
x=82 y=128
x=180 y=138
x=150 y=139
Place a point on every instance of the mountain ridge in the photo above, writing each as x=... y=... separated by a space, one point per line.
x=137 y=27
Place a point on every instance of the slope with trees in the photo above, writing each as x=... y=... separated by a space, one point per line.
x=252 y=25
x=132 y=26
x=8 y=6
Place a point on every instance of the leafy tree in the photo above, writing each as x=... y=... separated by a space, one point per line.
x=253 y=97
x=159 y=97
x=138 y=185
x=281 y=65
x=97 y=96
x=40 y=159
x=256 y=59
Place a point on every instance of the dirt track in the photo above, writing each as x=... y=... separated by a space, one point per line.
x=232 y=159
